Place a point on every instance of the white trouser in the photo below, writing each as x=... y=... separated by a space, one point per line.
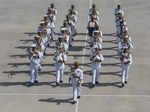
x=95 y=72
x=41 y=57
x=49 y=37
x=125 y=69
x=91 y=52
x=73 y=30
x=52 y=33
x=76 y=92
x=43 y=49
x=45 y=41
x=118 y=30
x=119 y=50
x=59 y=72
x=66 y=47
x=34 y=73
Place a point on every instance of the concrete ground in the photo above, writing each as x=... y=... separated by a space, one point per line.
x=19 y=21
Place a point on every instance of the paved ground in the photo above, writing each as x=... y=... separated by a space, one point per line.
x=19 y=20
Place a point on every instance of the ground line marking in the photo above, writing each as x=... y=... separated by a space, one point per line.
x=83 y=53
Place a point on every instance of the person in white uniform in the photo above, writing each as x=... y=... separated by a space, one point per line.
x=96 y=66
x=125 y=43
x=126 y=61
x=52 y=25
x=34 y=69
x=73 y=8
x=61 y=59
x=119 y=10
x=76 y=79
x=52 y=12
x=73 y=22
x=44 y=40
x=93 y=9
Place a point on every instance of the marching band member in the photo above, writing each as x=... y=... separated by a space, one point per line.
x=73 y=22
x=92 y=25
x=61 y=58
x=96 y=66
x=126 y=60
x=51 y=26
x=118 y=10
x=34 y=69
x=41 y=27
x=52 y=12
x=66 y=35
x=52 y=8
x=49 y=32
x=73 y=9
x=92 y=10
x=126 y=44
x=44 y=40
x=76 y=79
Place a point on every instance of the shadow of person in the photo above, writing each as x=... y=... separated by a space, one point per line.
x=44 y=83
x=12 y=84
x=114 y=84
x=114 y=73
x=57 y=101
x=24 y=83
x=30 y=33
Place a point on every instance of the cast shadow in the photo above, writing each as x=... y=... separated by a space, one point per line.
x=57 y=101
x=30 y=33
x=110 y=48
x=109 y=34
x=6 y=84
x=14 y=73
x=76 y=48
x=103 y=84
x=20 y=56
x=117 y=73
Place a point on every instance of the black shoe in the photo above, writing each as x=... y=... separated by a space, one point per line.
x=74 y=102
x=93 y=85
x=78 y=97
x=39 y=69
x=57 y=84
x=61 y=81
x=97 y=82
x=30 y=84
x=36 y=81
x=126 y=82
x=122 y=85
x=48 y=45
x=44 y=54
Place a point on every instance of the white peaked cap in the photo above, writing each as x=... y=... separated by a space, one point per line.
x=126 y=36
x=63 y=29
x=42 y=22
x=97 y=31
x=33 y=45
x=45 y=15
x=34 y=54
x=95 y=46
x=61 y=36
